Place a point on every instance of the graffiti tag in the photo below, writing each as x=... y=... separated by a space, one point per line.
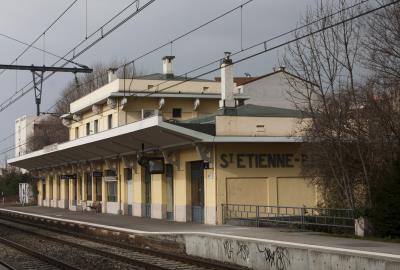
x=243 y=251
x=279 y=257
x=228 y=248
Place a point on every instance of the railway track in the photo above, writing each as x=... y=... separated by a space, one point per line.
x=6 y=266
x=15 y=256
x=119 y=255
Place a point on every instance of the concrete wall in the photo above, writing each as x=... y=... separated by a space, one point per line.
x=269 y=91
x=258 y=254
x=265 y=255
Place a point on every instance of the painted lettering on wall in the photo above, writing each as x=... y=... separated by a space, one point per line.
x=253 y=160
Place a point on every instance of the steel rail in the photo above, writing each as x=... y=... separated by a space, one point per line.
x=6 y=265
x=170 y=256
x=113 y=256
x=37 y=255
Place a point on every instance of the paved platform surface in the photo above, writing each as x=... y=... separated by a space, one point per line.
x=276 y=234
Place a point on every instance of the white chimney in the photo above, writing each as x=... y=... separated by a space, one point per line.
x=227 y=84
x=112 y=75
x=167 y=65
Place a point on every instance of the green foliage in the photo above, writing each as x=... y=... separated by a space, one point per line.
x=385 y=211
x=9 y=183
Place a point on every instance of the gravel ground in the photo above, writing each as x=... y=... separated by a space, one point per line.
x=63 y=252
x=78 y=257
x=20 y=260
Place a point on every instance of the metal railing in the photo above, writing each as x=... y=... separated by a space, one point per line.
x=262 y=215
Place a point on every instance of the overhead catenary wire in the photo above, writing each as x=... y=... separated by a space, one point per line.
x=23 y=91
x=266 y=49
x=38 y=49
x=234 y=53
x=43 y=33
x=172 y=41
x=138 y=10
x=168 y=43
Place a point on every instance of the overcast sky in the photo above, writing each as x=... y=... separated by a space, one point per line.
x=157 y=24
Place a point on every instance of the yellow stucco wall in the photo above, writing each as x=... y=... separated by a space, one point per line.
x=241 y=181
x=234 y=178
x=259 y=126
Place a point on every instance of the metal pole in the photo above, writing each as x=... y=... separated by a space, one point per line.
x=258 y=215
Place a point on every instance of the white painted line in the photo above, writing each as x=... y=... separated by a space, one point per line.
x=265 y=241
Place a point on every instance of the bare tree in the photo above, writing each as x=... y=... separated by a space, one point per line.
x=88 y=82
x=382 y=45
x=331 y=98
x=350 y=98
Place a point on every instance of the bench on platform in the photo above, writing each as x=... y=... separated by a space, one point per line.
x=96 y=206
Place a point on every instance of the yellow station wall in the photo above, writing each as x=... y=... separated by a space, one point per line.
x=226 y=181
x=261 y=186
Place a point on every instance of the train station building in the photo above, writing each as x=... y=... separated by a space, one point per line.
x=156 y=147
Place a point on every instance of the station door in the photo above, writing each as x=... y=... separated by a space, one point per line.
x=130 y=197
x=147 y=183
x=66 y=193
x=170 y=191
x=197 y=178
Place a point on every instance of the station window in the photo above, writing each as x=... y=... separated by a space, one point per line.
x=76 y=132
x=110 y=173
x=109 y=121
x=176 y=112
x=87 y=129
x=205 y=88
x=112 y=191
x=96 y=126
x=89 y=187
x=149 y=86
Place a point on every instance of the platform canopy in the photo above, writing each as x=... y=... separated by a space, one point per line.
x=152 y=132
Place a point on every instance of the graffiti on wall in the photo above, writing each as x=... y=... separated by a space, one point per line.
x=278 y=257
x=228 y=248
x=234 y=250
x=243 y=251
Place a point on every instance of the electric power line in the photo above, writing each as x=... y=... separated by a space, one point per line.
x=138 y=9
x=163 y=45
x=43 y=33
x=39 y=49
x=266 y=49
x=20 y=93
x=235 y=53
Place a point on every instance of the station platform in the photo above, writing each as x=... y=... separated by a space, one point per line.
x=280 y=235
